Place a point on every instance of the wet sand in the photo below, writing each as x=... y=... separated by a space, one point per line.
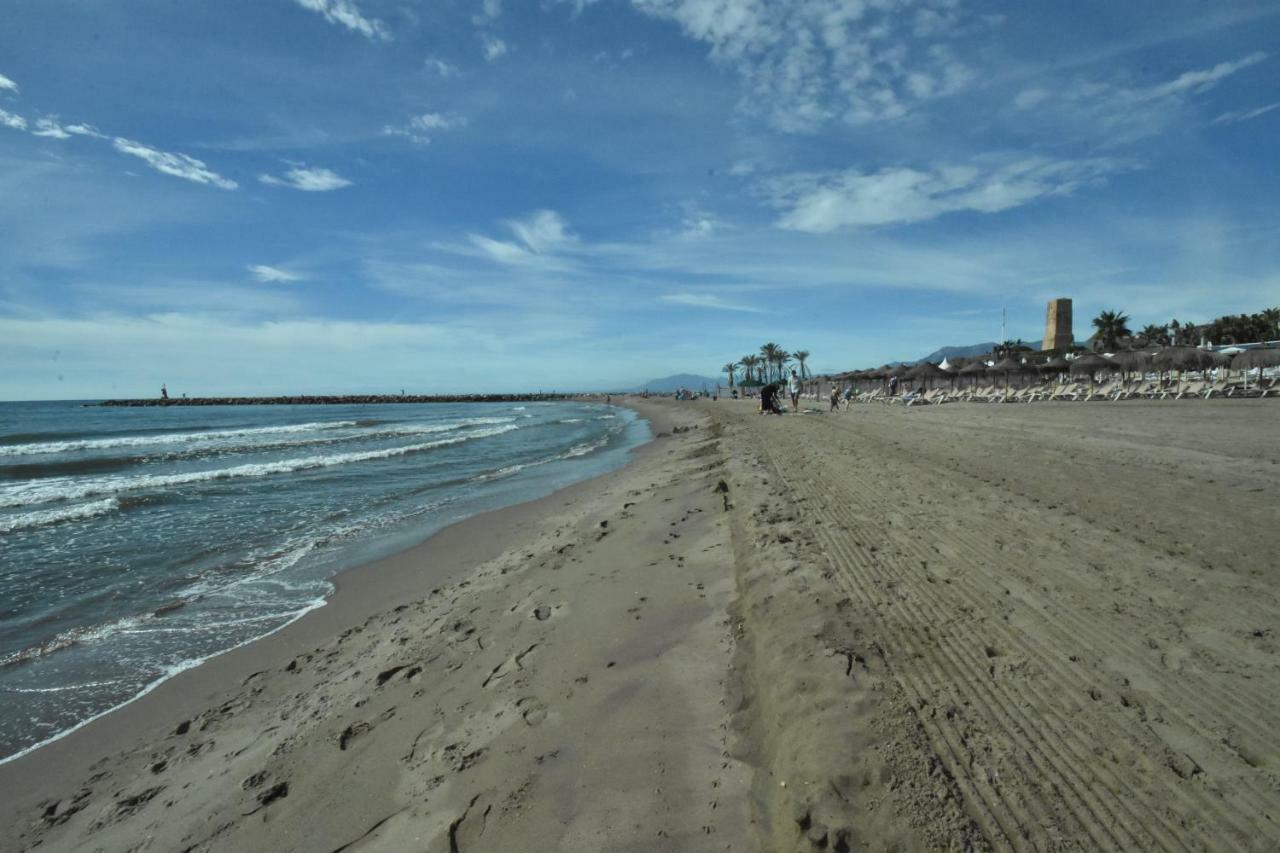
x=988 y=627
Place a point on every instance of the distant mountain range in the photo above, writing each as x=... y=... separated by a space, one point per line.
x=679 y=380
x=959 y=352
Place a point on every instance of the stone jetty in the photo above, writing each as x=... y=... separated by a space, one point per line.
x=339 y=400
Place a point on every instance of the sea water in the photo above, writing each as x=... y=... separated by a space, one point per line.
x=137 y=542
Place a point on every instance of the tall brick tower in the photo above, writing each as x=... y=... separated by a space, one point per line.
x=1057 y=325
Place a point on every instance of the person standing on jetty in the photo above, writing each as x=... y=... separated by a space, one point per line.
x=793 y=388
x=164 y=392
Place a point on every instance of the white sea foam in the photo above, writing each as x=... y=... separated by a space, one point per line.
x=169 y=672
x=35 y=448
x=257 y=437
x=68 y=488
x=40 y=518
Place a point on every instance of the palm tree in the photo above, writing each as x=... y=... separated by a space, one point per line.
x=802 y=355
x=1111 y=326
x=783 y=358
x=1271 y=316
x=749 y=365
x=1153 y=334
x=769 y=354
x=729 y=369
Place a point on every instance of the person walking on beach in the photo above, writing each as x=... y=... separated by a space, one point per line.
x=893 y=386
x=835 y=398
x=793 y=388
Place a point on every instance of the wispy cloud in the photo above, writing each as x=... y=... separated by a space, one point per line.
x=902 y=195
x=807 y=62
x=1235 y=116
x=421 y=129
x=439 y=67
x=6 y=83
x=273 y=275
x=345 y=13
x=542 y=231
x=490 y=11
x=1119 y=114
x=706 y=300
x=494 y=48
x=1202 y=80
x=10 y=120
x=50 y=128
x=539 y=237
x=178 y=165
x=307 y=179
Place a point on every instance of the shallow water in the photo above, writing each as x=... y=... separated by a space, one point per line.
x=135 y=543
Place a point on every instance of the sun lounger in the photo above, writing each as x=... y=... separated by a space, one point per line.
x=1191 y=389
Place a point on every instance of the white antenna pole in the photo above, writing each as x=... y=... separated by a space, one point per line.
x=1003 y=318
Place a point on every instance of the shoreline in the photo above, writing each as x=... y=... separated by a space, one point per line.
x=876 y=629
x=345 y=582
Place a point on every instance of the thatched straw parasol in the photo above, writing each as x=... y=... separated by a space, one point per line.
x=927 y=372
x=1137 y=361
x=1006 y=366
x=1058 y=364
x=1259 y=358
x=1252 y=358
x=1182 y=358
x=1091 y=364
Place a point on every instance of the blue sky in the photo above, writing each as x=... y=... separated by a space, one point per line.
x=276 y=196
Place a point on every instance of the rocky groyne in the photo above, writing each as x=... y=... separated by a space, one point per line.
x=337 y=400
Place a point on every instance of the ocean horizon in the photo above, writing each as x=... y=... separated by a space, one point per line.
x=138 y=543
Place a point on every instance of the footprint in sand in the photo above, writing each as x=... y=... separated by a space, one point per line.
x=532 y=710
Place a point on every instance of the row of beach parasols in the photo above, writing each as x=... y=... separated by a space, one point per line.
x=1178 y=359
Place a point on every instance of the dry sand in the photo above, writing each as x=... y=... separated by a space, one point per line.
x=1018 y=627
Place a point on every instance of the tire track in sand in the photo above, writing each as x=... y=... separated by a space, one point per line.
x=982 y=558
x=861 y=569
x=1088 y=815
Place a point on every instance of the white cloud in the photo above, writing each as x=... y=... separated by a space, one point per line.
x=16 y=122
x=494 y=47
x=436 y=121
x=273 y=275
x=706 y=300
x=345 y=13
x=6 y=83
x=1234 y=116
x=50 y=128
x=420 y=128
x=490 y=11
x=542 y=231
x=84 y=130
x=440 y=67
x=900 y=195
x=1111 y=114
x=178 y=165
x=1204 y=80
x=308 y=179
x=807 y=62
x=1030 y=98
x=539 y=236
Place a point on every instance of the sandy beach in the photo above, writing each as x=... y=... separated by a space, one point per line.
x=956 y=627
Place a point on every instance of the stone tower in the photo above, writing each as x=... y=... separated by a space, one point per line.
x=1057 y=325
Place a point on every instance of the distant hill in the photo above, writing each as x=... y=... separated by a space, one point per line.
x=680 y=380
x=959 y=352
